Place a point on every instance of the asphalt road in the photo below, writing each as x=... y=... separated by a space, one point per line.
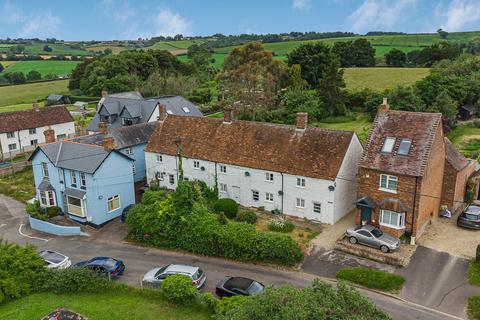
x=139 y=260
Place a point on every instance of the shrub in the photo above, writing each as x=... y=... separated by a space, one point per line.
x=276 y=212
x=281 y=225
x=247 y=216
x=474 y=273
x=53 y=211
x=178 y=289
x=222 y=218
x=70 y=280
x=473 y=308
x=372 y=278
x=226 y=304
x=477 y=254
x=210 y=301
x=227 y=206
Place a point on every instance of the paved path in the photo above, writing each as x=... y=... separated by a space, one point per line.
x=139 y=260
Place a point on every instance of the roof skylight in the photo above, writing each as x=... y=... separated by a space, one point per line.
x=404 y=147
x=388 y=144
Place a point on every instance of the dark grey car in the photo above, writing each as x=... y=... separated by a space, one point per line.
x=470 y=217
x=373 y=237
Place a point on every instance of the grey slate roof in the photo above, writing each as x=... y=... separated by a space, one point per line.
x=45 y=186
x=124 y=137
x=140 y=108
x=75 y=156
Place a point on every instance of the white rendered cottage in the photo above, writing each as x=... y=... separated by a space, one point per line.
x=302 y=171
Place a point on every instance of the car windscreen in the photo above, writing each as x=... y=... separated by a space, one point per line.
x=377 y=233
x=52 y=257
x=475 y=210
x=255 y=288
x=160 y=271
x=197 y=274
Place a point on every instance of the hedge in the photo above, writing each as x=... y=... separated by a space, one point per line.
x=247 y=216
x=372 y=278
x=227 y=206
x=70 y=280
x=473 y=308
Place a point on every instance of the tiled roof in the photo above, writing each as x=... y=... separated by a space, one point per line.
x=313 y=152
x=419 y=127
x=34 y=118
x=454 y=157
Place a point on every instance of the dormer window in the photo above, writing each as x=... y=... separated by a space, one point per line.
x=404 y=147
x=105 y=119
x=127 y=121
x=186 y=110
x=388 y=145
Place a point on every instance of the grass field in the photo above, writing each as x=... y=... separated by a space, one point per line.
x=27 y=93
x=6 y=64
x=359 y=123
x=104 y=306
x=57 y=48
x=466 y=138
x=18 y=107
x=174 y=45
x=59 y=68
x=382 y=78
x=101 y=47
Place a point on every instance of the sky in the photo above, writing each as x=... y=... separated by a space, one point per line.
x=131 y=19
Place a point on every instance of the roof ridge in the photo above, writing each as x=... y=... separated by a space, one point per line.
x=370 y=138
x=430 y=139
x=58 y=153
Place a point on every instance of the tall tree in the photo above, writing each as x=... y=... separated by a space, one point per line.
x=405 y=98
x=395 y=58
x=363 y=52
x=445 y=105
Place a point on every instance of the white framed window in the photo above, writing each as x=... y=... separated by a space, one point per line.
x=83 y=180
x=223 y=188
x=196 y=164
x=392 y=219
x=45 y=169
x=32 y=131
x=33 y=142
x=113 y=203
x=43 y=198
x=255 y=195
x=223 y=168
x=74 y=206
x=268 y=196
x=317 y=207
x=12 y=146
x=300 y=203
x=47 y=198
x=301 y=182
x=11 y=134
x=388 y=183
x=269 y=176
x=171 y=179
x=159 y=176
x=61 y=137
x=73 y=178
x=134 y=169
x=388 y=144
x=159 y=158
x=129 y=151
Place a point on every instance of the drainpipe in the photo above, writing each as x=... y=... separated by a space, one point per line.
x=282 y=193
x=412 y=237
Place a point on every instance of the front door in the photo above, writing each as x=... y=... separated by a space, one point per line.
x=366 y=214
x=236 y=193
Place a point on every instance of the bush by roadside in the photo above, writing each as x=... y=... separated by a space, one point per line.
x=178 y=289
x=40 y=213
x=473 y=308
x=474 y=273
x=372 y=278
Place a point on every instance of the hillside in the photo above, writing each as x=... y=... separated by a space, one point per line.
x=382 y=78
x=59 y=68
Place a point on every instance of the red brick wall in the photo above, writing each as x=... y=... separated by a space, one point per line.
x=454 y=184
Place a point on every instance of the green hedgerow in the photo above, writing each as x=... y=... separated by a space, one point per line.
x=178 y=289
x=372 y=278
x=227 y=206
x=71 y=280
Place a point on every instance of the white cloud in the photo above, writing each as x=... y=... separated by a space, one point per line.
x=168 y=23
x=31 y=24
x=379 y=14
x=120 y=11
x=301 y=5
x=458 y=14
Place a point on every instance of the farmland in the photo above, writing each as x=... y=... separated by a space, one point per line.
x=382 y=78
x=101 y=47
x=59 y=68
x=57 y=49
x=27 y=93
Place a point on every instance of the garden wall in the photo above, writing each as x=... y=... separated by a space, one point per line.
x=55 y=229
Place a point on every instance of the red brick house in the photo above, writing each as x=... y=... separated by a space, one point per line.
x=400 y=174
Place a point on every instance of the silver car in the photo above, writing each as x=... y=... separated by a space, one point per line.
x=373 y=237
x=55 y=260
x=154 y=277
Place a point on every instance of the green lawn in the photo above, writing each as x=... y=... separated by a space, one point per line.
x=59 y=68
x=382 y=78
x=101 y=306
x=6 y=64
x=19 y=107
x=360 y=124
x=57 y=49
x=27 y=93
x=115 y=49
x=19 y=186
x=466 y=138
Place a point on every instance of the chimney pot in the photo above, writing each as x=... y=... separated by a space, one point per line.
x=102 y=127
x=162 y=112
x=301 y=121
x=228 y=115
x=108 y=144
x=384 y=107
x=104 y=93
x=49 y=134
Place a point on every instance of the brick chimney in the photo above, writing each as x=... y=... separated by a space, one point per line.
x=104 y=93
x=49 y=135
x=301 y=121
x=162 y=112
x=35 y=106
x=228 y=115
x=384 y=107
x=108 y=144
x=102 y=127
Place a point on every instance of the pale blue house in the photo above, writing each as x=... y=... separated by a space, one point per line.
x=90 y=183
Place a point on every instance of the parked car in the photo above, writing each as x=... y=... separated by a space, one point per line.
x=234 y=286
x=55 y=260
x=374 y=237
x=125 y=212
x=154 y=277
x=104 y=265
x=470 y=217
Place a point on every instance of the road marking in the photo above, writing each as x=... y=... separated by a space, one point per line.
x=26 y=235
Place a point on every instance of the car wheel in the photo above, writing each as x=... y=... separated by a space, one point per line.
x=353 y=240
x=384 y=249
